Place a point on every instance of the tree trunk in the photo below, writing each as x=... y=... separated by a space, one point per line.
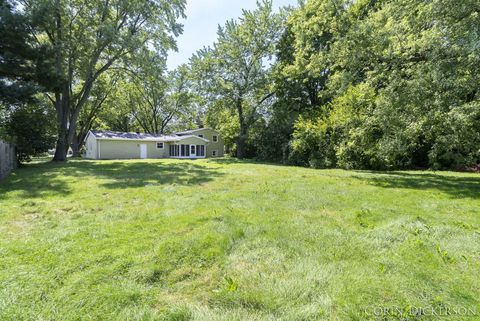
x=242 y=138
x=62 y=108
x=61 y=149
x=67 y=121
x=241 y=146
x=61 y=96
x=78 y=142
x=76 y=146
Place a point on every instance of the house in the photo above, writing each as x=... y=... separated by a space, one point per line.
x=196 y=143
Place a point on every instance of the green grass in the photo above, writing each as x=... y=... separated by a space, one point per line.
x=228 y=240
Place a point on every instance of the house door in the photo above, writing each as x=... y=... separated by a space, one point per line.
x=143 y=150
x=193 y=151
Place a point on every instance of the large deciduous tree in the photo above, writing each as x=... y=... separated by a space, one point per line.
x=159 y=99
x=89 y=38
x=94 y=107
x=236 y=71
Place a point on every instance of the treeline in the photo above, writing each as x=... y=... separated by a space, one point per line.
x=68 y=66
x=379 y=85
x=365 y=84
x=368 y=84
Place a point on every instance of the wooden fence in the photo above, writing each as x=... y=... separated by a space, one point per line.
x=7 y=159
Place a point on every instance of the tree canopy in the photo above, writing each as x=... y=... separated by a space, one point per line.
x=371 y=84
x=91 y=37
x=236 y=70
x=399 y=81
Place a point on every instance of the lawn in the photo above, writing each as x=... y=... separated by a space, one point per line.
x=228 y=240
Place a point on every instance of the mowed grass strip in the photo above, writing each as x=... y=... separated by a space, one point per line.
x=229 y=240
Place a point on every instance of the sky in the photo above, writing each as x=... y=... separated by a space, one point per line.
x=200 y=27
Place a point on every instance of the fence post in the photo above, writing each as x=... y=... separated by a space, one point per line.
x=7 y=159
x=2 y=157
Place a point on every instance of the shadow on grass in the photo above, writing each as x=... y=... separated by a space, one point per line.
x=233 y=160
x=229 y=160
x=455 y=186
x=35 y=180
x=43 y=179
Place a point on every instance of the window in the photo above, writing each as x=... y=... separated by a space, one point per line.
x=160 y=145
x=200 y=150
x=214 y=153
x=215 y=138
x=184 y=150
x=201 y=136
x=192 y=149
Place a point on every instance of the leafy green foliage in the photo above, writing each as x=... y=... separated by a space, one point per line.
x=91 y=37
x=379 y=84
x=458 y=142
x=32 y=130
x=160 y=100
x=370 y=84
x=144 y=97
x=225 y=121
x=24 y=64
x=235 y=73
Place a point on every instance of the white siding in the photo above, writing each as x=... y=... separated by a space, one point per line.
x=91 y=147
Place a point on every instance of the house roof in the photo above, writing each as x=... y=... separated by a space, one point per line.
x=190 y=131
x=108 y=134
x=112 y=135
x=172 y=138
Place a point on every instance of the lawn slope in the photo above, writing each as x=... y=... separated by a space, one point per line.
x=228 y=240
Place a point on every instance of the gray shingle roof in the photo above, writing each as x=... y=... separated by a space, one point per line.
x=189 y=131
x=108 y=134
x=112 y=134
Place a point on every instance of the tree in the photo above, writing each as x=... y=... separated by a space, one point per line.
x=296 y=92
x=159 y=99
x=115 y=113
x=24 y=71
x=32 y=130
x=89 y=38
x=394 y=83
x=24 y=64
x=225 y=121
x=181 y=99
x=236 y=71
x=102 y=89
